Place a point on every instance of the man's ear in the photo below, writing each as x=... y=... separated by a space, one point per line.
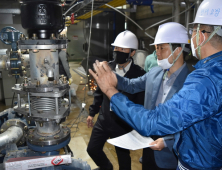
x=179 y=49
x=133 y=53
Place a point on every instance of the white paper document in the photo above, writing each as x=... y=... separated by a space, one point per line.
x=132 y=140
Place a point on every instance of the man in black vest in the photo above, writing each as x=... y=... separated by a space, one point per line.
x=108 y=125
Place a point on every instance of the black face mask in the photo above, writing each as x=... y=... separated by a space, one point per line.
x=120 y=57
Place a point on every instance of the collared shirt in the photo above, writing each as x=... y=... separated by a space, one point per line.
x=166 y=85
x=120 y=71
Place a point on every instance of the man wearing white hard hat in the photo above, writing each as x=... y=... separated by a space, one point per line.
x=194 y=114
x=109 y=125
x=161 y=84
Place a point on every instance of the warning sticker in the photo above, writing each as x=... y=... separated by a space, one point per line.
x=57 y=160
x=24 y=163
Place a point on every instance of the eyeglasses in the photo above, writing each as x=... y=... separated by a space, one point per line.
x=191 y=30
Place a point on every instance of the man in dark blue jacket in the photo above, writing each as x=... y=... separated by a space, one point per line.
x=194 y=114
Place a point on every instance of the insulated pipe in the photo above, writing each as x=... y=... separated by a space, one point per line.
x=11 y=135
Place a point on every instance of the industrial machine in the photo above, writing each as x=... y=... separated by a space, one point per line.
x=34 y=131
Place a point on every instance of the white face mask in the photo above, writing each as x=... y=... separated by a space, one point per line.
x=164 y=63
x=193 y=48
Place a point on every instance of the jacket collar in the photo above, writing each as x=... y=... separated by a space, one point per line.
x=209 y=60
x=130 y=71
x=156 y=87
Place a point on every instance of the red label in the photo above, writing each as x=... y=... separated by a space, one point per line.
x=57 y=160
x=72 y=18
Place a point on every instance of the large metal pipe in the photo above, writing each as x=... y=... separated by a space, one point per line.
x=11 y=135
x=47 y=128
x=37 y=70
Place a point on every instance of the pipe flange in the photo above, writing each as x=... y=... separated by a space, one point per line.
x=45 y=88
x=18 y=123
x=35 y=139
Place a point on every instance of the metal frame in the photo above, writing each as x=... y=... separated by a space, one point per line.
x=45 y=115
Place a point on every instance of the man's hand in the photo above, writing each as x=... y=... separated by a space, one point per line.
x=159 y=144
x=105 y=78
x=89 y=121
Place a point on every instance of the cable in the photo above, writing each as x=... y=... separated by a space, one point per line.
x=78 y=119
x=151 y=25
x=72 y=7
x=84 y=36
x=87 y=66
x=72 y=2
x=76 y=122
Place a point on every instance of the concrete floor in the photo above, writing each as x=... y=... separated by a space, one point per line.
x=80 y=138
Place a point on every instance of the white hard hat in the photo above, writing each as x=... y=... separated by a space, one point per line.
x=209 y=13
x=171 y=32
x=126 y=39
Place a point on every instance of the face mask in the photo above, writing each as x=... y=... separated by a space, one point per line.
x=193 y=48
x=120 y=57
x=164 y=64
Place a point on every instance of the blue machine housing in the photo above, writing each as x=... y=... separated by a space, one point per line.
x=10 y=36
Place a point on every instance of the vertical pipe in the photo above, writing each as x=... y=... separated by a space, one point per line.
x=187 y=14
x=194 y=13
x=70 y=98
x=177 y=10
x=19 y=100
x=198 y=2
x=29 y=105
x=57 y=105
